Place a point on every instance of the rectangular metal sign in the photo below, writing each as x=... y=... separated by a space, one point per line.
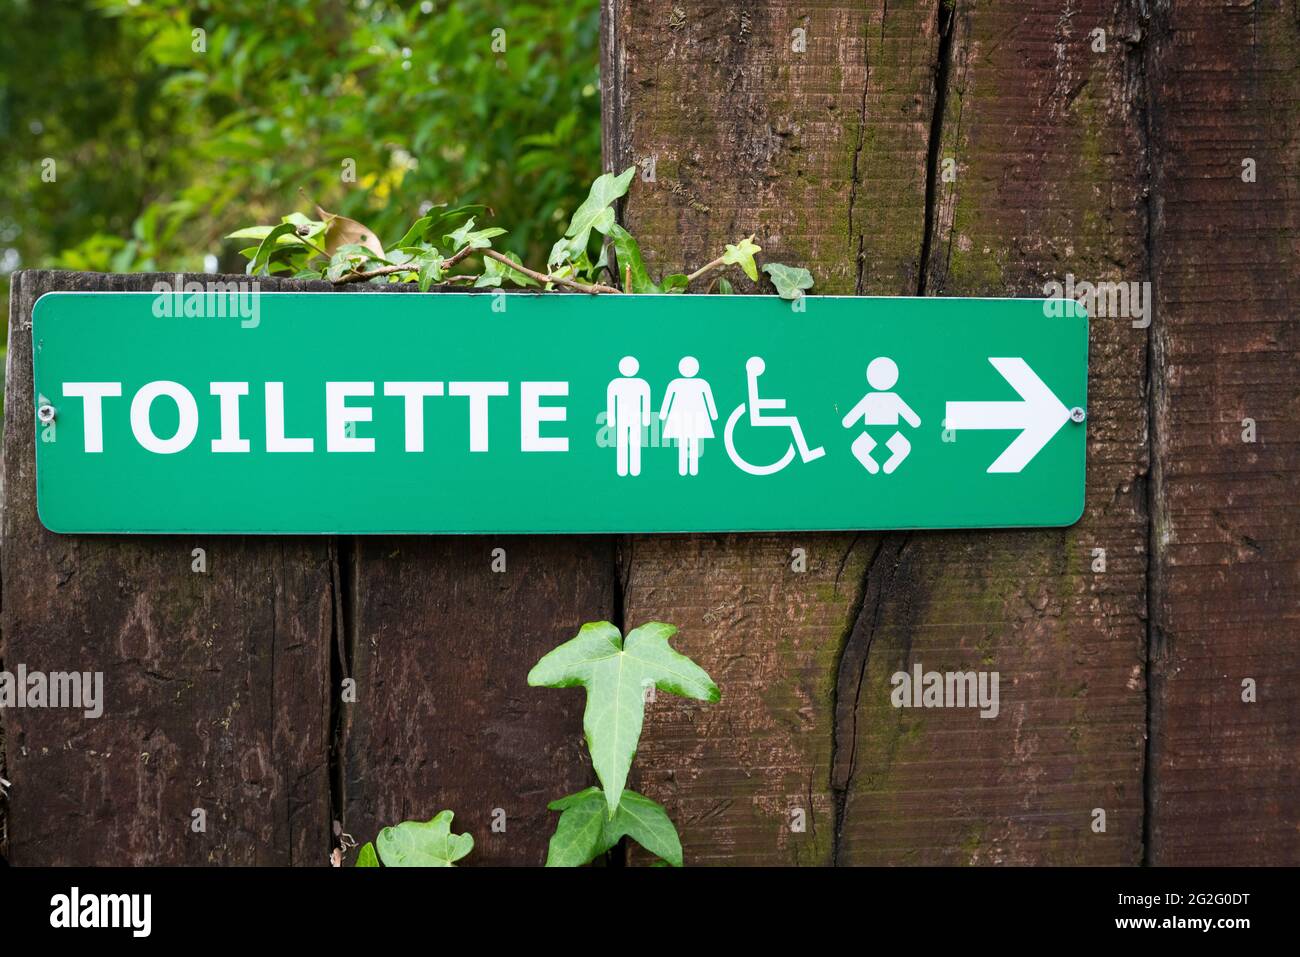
x=382 y=412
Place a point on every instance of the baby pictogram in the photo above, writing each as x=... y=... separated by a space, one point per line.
x=881 y=407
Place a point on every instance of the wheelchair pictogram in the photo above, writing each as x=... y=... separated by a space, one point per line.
x=757 y=418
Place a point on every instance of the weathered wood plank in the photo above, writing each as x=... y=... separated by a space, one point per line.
x=213 y=683
x=747 y=779
x=1225 y=774
x=1045 y=135
x=821 y=151
x=441 y=645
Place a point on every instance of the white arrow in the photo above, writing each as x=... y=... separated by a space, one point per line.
x=1040 y=415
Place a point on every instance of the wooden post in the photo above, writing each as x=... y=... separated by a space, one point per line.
x=215 y=714
x=737 y=133
x=1225 y=774
x=225 y=689
x=443 y=632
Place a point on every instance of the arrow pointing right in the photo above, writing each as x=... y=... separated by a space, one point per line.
x=1039 y=415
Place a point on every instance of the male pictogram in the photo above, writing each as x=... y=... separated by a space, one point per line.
x=627 y=412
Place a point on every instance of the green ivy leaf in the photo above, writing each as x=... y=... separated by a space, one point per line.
x=305 y=228
x=352 y=257
x=366 y=857
x=438 y=221
x=594 y=213
x=467 y=235
x=593 y=270
x=562 y=252
x=629 y=261
x=677 y=282
x=494 y=271
x=647 y=823
x=250 y=232
x=427 y=844
x=584 y=831
x=415 y=235
x=724 y=286
x=742 y=255
x=261 y=259
x=579 y=834
x=615 y=672
x=430 y=268
x=790 y=281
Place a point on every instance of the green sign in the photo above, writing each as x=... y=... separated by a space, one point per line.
x=216 y=411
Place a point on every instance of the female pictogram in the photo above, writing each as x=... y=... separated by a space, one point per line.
x=688 y=413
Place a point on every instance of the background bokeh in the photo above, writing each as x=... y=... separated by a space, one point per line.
x=160 y=149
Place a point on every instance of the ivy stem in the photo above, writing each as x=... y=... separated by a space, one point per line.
x=714 y=264
x=545 y=277
x=371 y=274
x=311 y=245
x=448 y=263
x=533 y=274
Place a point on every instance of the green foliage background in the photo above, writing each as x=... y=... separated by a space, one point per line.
x=160 y=150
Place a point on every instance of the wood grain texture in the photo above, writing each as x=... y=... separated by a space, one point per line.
x=747 y=780
x=213 y=683
x=441 y=646
x=820 y=151
x=223 y=690
x=1225 y=776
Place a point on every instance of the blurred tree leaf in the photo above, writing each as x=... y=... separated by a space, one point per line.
x=417 y=105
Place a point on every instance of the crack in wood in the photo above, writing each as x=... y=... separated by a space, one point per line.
x=851 y=669
x=342 y=561
x=852 y=665
x=943 y=62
